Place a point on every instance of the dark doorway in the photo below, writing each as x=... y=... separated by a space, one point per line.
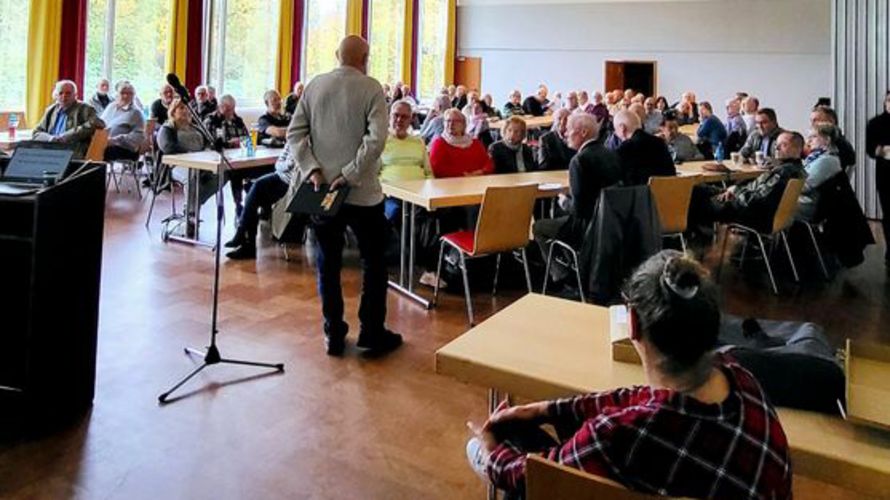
x=638 y=75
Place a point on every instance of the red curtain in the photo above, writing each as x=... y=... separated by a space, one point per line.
x=297 y=47
x=73 y=45
x=194 y=73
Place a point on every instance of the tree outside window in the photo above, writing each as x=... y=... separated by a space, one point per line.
x=325 y=27
x=433 y=33
x=14 y=40
x=387 y=34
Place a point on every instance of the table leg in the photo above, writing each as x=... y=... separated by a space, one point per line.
x=405 y=285
x=191 y=219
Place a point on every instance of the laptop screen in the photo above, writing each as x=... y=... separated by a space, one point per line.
x=32 y=162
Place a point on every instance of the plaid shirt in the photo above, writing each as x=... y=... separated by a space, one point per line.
x=662 y=442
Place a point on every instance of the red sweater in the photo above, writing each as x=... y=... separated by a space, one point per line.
x=449 y=161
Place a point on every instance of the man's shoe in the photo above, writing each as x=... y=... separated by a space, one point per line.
x=334 y=345
x=379 y=343
x=244 y=252
x=238 y=240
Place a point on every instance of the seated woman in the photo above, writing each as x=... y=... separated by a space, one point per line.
x=433 y=124
x=126 y=126
x=821 y=165
x=179 y=136
x=404 y=157
x=514 y=105
x=511 y=154
x=701 y=428
x=477 y=123
x=488 y=107
x=457 y=154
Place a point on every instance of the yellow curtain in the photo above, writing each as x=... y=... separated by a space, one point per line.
x=450 y=42
x=42 y=71
x=285 y=47
x=354 y=17
x=177 y=43
x=408 y=44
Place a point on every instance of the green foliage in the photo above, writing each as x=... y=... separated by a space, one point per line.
x=325 y=27
x=386 y=33
x=433 y=31
x=14 y=41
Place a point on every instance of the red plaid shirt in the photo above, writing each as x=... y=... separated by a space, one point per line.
x=662 y=442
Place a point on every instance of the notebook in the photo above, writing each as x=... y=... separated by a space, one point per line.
x=322 y=202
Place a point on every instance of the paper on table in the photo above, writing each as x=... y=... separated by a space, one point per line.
x=618 y=329
x=549 y=186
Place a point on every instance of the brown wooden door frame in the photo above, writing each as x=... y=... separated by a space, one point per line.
x=468 y=72
x=622 y=63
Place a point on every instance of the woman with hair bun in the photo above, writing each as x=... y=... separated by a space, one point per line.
x=702 y=426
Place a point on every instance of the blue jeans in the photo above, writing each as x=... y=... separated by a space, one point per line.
x=370 y=229
x=264 y=193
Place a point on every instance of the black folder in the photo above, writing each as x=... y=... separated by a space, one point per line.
x=322 y=202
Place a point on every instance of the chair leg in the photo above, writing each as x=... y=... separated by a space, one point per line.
x=683 y=243
x=135 y=173
x=722 y=252
x=818 y=250
x=438 y=273
x=769 y=269
x=463 y=270
x=528 y=276
x=547 y=269
x=578 y=275
x=744 y=251
x=790 y=257
x=497 y=270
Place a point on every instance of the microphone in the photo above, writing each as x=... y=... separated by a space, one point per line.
x=178 y=87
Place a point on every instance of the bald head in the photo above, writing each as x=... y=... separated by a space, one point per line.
x=353 y=52
x=626 y=123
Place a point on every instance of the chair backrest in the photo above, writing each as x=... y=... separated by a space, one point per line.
x=504 y=218
x=672 y=196
x=787 y=205
x=96 y=151
x=149 y=132
x=4 y=119
x=546 y=480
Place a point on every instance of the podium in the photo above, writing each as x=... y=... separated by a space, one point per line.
x=50 y=269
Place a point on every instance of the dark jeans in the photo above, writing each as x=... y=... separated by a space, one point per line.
x=882 y=180
x=114 y=153
x=237 y=178
x=370 y=229
x=265 y=191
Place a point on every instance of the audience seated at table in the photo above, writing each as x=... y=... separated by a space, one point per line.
x=536 y=105
x=687 y=108
x=68 y=120
x=613 y=102
x=764 y=138
x=126 y=126
x=571 y=103
x=653 y=118
x=460 y=99
x=159 y=110
x=679 y=145
x=434 y=123
x=202 y=103
x=408 y=96
x=661 y=104
x=553 y=153
x=477 y=123
x=455 y=153
x=272 y=125
x=100 y=99
x=472 y=99
x=489 y=108
x=736 y=130
x=226 y=123
x=584 y=104
x=701 y=427
x=821 y=165
x=711 y=131
x=641 y=155
x=178 y=136
x=404 y=157
x=290 y=102
x=511 y=154
x=750 y=107
x=845 y=151
x=753 y=203
x=592 y=169
x=514 y=105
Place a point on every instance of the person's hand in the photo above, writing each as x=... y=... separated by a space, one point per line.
x=337 y=183
x=473 y=172
x=316 y=178
x=235 y=143
x=486 y=437
x=504 y=415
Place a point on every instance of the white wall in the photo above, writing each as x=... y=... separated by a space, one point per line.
x=712 y=47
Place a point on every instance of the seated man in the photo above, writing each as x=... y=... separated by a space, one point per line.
x=460 y=98
x=160 y=108
x=68 y=120
x=455 y=153
x=514 y=105
x=272 y=125
x=264 y=192
x=554 y=153
x=821 y=165
x=100 y=100
x=404 y=157
x=126 y=126
x=736 y=130
x=679 y=145
x=290 y=103
x=654 y=117
x=433 y=125
x=845 y=150
x=641 y=155
x=511 y=154
x=702 y=426
x=753 y=203
x=711 y=132
x=202 y=103
x=536 y=105
x=764 y=139
x=225 y=123
x=593 y=168
x=572 y=103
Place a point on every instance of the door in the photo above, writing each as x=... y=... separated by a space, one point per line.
x=640 y=76
x=614 y=76
x=468 y=72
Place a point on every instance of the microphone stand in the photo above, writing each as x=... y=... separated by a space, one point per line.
x=212 y=355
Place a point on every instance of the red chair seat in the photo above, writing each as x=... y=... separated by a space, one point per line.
x=465 y=241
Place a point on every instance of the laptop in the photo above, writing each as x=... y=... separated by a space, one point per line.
x=34 y=165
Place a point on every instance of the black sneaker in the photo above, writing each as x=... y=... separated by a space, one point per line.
x=334 y=345
x=379 y=343
x=244 y=252
x=238 y=240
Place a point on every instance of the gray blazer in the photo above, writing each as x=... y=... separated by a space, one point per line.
x=340 y=128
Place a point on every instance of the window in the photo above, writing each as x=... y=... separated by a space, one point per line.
x=14 y=40
x=387 y=33
x=127 y=40
x=243 y=48
x=433 y=32
x=325 y=27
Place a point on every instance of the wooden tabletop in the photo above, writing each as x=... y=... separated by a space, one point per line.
x=462 y=191
x=209 y=160
x=20 y=136
x=544 y=347
x=737 y=173
x=531 y=122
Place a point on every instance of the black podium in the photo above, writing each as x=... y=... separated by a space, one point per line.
x=50 y=266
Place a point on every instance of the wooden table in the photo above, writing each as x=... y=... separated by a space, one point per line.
x=531 y=122
x=543 y=348
x=20 y=136
x=185 y=229
x=737 y=173
x=690 y=131
x=432 y=194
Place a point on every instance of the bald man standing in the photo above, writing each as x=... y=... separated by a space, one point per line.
x=338 y=132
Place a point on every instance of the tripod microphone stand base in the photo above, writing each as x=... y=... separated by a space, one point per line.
x=212 y=357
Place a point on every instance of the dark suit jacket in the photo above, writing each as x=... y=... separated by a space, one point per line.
x=504 y=158
x=845 y=152
x=591 y=170
x=533 y=106
x=554 y=153
x=642 y=156
x=80 y=125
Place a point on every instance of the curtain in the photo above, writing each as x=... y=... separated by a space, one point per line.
x=44 y=40
x=286 y=31
x=177 y=44
x=408 y=44
x=73 y=43
x=355 y=18
x=450 y=42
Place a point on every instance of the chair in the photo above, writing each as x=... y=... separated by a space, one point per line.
x=573 y=265
x=503 y=226
x=96 y=151
x=546 y=480
x=782 y=220
x=672 y=196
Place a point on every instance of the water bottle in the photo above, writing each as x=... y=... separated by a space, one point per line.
x=13 y=125
x=251 y=151
x=718 y=154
